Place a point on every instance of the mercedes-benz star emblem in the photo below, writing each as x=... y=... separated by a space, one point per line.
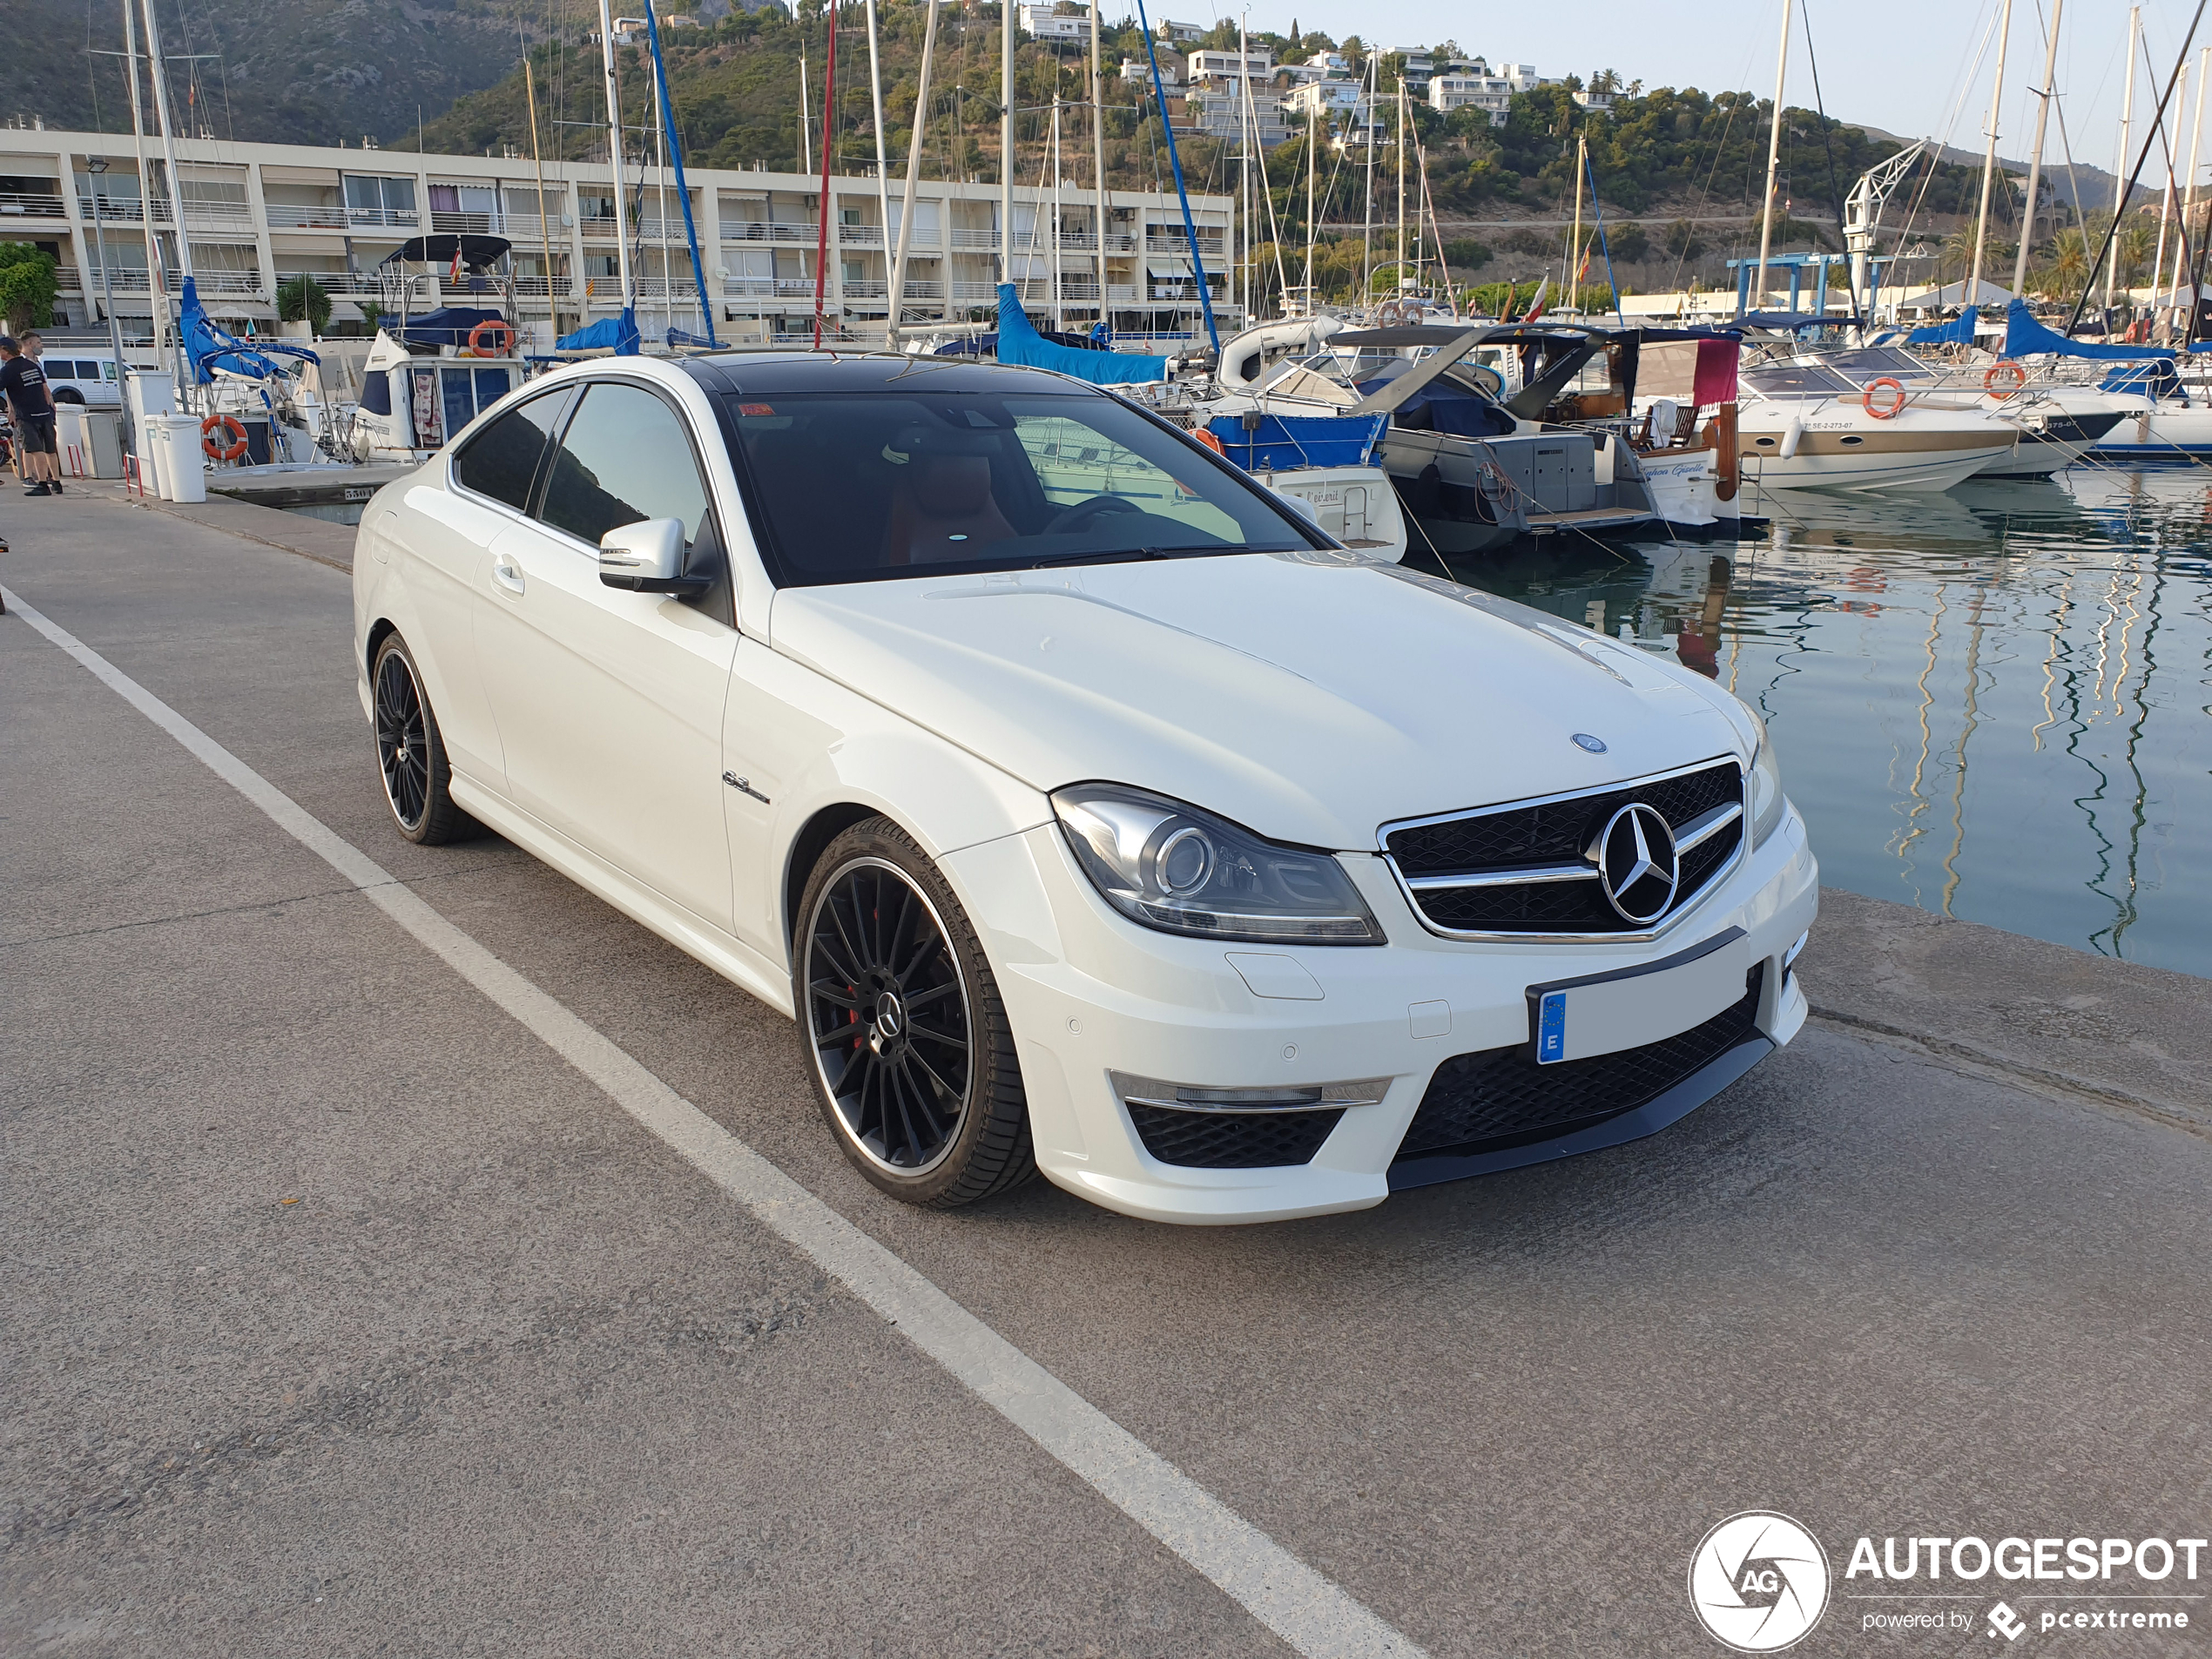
x=1636 y=864
x=1584 y=740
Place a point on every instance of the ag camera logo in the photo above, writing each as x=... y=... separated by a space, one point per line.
x=1758 y=1582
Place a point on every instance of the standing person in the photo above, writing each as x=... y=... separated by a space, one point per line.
x=23 y=383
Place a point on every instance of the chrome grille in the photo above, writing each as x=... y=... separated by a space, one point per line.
x=1525 y=870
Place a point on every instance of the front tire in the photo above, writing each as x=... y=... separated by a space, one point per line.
x=411 y=753
x=904 y=1032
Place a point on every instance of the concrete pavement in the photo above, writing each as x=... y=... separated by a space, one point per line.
x=509 y=1377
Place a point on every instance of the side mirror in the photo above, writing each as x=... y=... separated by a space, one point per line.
x=648 y=558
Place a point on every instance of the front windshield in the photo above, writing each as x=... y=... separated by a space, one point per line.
x=868 y=486
x=1865 y=362
x=1797 y=379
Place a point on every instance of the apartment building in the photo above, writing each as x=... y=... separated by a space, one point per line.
x=257 y=214
x=1057 y=25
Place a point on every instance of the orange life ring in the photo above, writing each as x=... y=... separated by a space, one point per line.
x=491 y=325
x=2015 y=377
x=1889 y=411
x=1210 y=440
x=226 y=422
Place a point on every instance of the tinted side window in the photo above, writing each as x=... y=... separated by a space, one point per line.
x=501 y=460
x=624 y=456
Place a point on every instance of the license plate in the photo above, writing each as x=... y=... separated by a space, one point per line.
x=1574 y=1019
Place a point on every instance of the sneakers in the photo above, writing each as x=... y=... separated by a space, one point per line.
x=55 y=484
x=39 y=488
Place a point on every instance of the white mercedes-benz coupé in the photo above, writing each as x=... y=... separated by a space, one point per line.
x=1089 y=810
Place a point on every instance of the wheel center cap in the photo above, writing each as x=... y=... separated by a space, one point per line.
x=890 y=1015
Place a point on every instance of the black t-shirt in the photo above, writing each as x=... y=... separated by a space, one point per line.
x=24 y=383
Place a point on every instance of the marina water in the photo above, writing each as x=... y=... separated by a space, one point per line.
x=1995 y=703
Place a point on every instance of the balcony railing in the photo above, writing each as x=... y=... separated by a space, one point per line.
x=543 y=286
x=465 y=224
x=754 y=230
x=30 y=205
x=302 y=216
x=402 y=218
x=240 y=282
x=869 y=288
x=357 y=284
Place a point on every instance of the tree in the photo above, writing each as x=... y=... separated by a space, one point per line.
x=1466 y=256
x=1681 y=240
x=1629 y=243
x=27 y=285
x=304 y=299
x=372 y=314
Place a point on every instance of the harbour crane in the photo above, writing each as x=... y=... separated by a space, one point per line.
x=1863 y=209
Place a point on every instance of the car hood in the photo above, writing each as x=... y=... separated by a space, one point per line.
x=1309 y=696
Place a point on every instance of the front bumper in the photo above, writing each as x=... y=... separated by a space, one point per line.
x=1089 y=993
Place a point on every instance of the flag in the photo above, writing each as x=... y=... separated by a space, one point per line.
x=453 y=273
x=590 y=283
x=1583 y=269
x=1536 y=302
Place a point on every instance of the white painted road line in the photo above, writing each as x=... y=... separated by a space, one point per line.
x=1307 y=1610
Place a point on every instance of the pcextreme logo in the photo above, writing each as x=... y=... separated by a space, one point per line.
x=1758 y=1582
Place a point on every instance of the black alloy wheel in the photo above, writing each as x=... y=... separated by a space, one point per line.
x=903 y=1029
x=402 y=740
x=410 y=752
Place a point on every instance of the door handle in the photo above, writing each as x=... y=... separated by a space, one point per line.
x=507 y=573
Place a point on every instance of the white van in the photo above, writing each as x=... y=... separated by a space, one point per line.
x=77 y=376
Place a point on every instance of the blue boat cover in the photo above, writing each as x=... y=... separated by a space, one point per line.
x=2155 y=378
x=618 y=335
x=211 y=348
x=1018 y=342
x=1286 y=442
x=1960 y=331
x=447 y=326
x=2024 y=336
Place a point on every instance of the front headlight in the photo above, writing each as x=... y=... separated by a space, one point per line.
x=1767 y=804
x=1183 y=871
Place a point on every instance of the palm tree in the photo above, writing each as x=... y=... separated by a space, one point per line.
x=2069 y=267
x=2137 y=243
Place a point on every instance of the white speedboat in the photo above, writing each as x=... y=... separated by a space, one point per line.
x=1806 y=427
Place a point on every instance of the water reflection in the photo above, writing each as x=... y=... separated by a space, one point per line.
x=1991 y=703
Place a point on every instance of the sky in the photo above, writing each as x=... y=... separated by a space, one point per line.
x=1908 y=66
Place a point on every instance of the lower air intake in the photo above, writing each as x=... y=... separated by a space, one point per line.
x=1231 y=1140
x=1501 y=1097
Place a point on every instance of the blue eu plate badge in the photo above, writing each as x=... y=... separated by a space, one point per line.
x=1551 y=1029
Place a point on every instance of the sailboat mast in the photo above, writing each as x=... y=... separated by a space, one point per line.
x=544 y=232
x=1774 y=160
x=1058 y=299
x=159 y=296
x=1245 y=168
x=1367 y=212
x=2119 y=167
x=2188 y=186
x=1398 y=271
x=176 y=194
x=875 y=96
x=1005 y=142
x=1313 y=166
x=824 y=211
x=1098 y=156
x=1567 y=281
x=920 y=131
x=1989 y=158
x=2035 y=156
x=614 y=154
